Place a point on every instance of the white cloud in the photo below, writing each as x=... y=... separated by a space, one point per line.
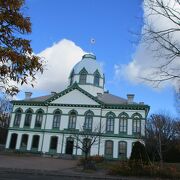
x=60 y=59
x=146 y=59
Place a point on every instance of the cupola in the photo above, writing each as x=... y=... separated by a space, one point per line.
x=88 y=74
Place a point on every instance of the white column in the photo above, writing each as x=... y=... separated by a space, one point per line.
x=33 y=121
x=8 y=140
x=64 y=122
x=143 y=127
x=18 y=143
x=49 y=122
x=59 y=144
x=40 y=142
x=102 y=146
x=43 y=121
x=29 y=142
x=115 y=149
x=22 y=121
x=129 y=127
x=12 y=120
x=116 y=126
x=129 y=148
x=45 y=142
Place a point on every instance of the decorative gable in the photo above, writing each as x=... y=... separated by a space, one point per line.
x=75 y=97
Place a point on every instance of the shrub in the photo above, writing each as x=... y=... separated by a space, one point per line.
x=139 y=153
x=133 y=169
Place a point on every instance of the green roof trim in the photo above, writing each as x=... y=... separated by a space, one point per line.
x=71 y=88
x=102 y=105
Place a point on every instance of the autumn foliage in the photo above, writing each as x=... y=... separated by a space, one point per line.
x=18 y=64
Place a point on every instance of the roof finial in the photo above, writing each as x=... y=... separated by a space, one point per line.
x=92 y=42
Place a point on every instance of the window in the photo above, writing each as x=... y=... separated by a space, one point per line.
x=17 y=118
x=24 y=141
x=110 y=123
x=53 y=144
x=56 y=119
x=122 y=150
x=71 y=77
x=88 y=121
x=109 y=149
x=82 y=78
x=136 y=124
x=39 y=118
x=35 y=142
x=96 y=79
x=123 y=123
x=72 y=120
x=86 y=146
x=28 y=118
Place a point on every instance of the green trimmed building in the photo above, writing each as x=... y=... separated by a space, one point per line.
x=49 y=124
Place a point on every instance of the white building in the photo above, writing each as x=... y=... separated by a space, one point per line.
x=46 y=124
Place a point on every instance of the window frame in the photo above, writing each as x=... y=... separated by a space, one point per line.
x=39 y=118
x=122 y=149
x=123 y=123
x=28 y=117
x=83 y=77
x=88 y=122
x=72 y=120
x=56 y=119
x=110 y=149
x=17 y=118
x=110 y=120
x=136 y=124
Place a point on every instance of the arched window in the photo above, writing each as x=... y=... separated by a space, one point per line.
x=53 y=143
x=72 y=120
x=86 y=146
x=71 y=77
x=56 y=119
x=88 y=121
x=35 y=142
x=28 y=118
x=39 y=118
x=17 y=118
x=96 y=78
x=136 y=124
x=13 y=141
x=83 y=76
x=109 y=149
x=123 y=123
x=122 y=150
x=110 y=123
x=24 y=141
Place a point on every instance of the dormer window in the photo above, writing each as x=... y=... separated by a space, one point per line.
x=71 y=77
x=96 y=78
x=83 y=76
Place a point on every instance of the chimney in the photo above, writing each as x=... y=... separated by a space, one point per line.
x=130 y=98
x=53 y=92
x=141 y=103
x=99 y=94
x=28 y=95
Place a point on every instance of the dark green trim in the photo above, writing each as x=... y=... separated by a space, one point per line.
x=75 y=86
x=71 y=88
x=75 y=131
x=116 y=117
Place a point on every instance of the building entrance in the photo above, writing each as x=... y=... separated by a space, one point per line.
x=69 y=146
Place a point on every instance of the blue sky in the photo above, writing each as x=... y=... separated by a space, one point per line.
x=110 y=23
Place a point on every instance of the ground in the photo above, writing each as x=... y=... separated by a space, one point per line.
x=20 y=167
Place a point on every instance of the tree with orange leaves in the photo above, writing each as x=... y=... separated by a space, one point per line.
x=18 y=64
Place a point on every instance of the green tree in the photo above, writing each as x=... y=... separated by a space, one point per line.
x=18 y=64
x=139 y=153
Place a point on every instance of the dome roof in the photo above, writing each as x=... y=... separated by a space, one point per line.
x=89 y=63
